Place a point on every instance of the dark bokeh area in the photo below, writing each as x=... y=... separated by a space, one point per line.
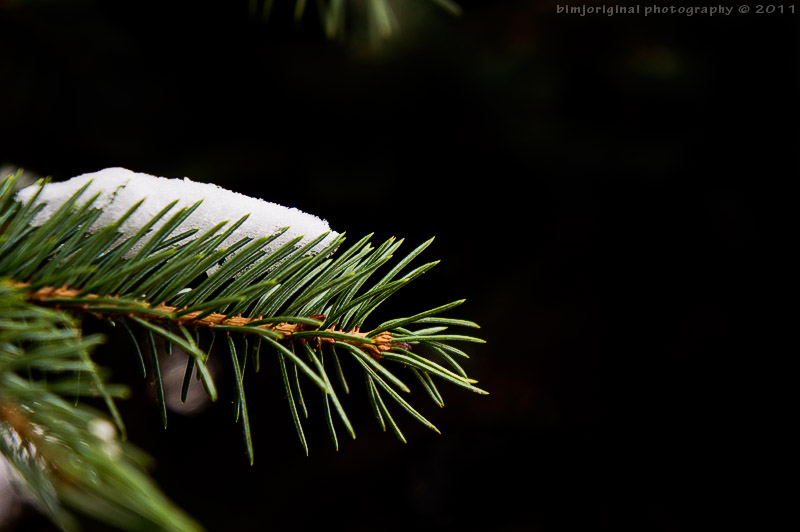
x=593 y=184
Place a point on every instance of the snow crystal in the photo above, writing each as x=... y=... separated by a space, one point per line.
x=120 y=189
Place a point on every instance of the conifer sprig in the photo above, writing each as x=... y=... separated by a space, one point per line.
x=308 y=309
x=379 y=15
x=68 y=456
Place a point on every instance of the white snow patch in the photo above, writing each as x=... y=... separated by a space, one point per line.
x=120 y=189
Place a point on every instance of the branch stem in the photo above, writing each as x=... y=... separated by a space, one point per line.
x=74 y=299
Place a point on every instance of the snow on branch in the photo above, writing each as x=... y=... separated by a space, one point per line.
x=120 y=189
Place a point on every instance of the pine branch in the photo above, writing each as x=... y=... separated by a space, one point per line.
x=68 y=456
x=169 y=276
x=378 y=15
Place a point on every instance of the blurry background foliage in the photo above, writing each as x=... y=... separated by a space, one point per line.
x=615 y=166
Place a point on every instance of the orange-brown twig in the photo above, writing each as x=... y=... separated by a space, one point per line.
x=56 y=297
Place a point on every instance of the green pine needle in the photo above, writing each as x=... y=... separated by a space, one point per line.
x=241 y=399
x=292 y=405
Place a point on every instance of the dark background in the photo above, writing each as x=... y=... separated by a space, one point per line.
x=593 y=183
